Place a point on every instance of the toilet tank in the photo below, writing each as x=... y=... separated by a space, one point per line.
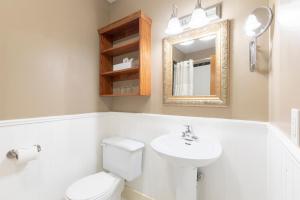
x=123 y=157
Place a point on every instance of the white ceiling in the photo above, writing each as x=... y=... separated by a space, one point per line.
x=198 y=45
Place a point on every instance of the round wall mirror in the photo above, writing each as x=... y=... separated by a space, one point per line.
x=259 y=21
x=256 y=24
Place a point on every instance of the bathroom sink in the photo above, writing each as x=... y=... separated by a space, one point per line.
x=181 y=152
x=186 y=154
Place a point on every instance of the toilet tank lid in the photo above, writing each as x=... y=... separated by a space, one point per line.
x=124 y=143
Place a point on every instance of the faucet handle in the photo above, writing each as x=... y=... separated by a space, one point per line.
x=188 y=128
x=195 y=137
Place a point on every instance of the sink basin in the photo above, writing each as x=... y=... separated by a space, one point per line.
x=178 y=151
x=186 y=156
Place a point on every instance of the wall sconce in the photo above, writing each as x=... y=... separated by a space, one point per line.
x=174 y=26
x=256 y=24
x=199 y=17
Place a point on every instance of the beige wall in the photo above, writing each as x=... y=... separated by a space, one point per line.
x=203 y=54
x=285 y=73
x=249 y=91
x=177 y=55
x=49 y=57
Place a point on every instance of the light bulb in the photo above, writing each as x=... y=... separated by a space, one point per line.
x=252 y=23
x=174 y=26
x=198 y=18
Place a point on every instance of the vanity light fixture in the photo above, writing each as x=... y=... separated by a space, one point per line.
x=199 y=17
x=187 y=43
x=174 y=26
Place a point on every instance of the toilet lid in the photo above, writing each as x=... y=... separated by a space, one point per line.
x=92 y=187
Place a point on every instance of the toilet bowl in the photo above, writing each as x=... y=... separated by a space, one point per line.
x=100 y=186
x=123 y=159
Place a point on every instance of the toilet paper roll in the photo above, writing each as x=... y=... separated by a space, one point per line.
x=26 y=155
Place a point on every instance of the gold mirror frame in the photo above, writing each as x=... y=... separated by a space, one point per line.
x=221 y=99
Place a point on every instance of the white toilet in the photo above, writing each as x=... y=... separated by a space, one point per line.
x=122 y=158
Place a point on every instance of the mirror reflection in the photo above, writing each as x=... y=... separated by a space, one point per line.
x=194 y=67
x=258 y=22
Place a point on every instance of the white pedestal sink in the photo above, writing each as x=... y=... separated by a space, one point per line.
x=186 y=157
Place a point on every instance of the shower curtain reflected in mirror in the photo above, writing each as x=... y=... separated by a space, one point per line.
x=183 y=78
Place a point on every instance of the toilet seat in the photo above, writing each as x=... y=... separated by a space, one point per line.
x=100 y=186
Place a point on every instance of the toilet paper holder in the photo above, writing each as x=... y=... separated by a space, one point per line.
x=13 y=154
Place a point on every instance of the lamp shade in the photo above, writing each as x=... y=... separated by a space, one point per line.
x=198 y=18
x=174 y=26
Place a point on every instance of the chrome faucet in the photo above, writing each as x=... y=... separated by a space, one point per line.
x=188 y=134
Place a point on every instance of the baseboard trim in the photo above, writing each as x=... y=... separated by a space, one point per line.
x=132 y=194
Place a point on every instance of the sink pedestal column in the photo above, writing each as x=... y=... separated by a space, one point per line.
x=186 y=183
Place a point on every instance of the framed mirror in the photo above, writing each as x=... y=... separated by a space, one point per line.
x=196 y=66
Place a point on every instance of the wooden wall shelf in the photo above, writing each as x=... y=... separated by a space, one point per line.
x=120 y=95
x=131 y=70
x=135 y=25
x=122 y=49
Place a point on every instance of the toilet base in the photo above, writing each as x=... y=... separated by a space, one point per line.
x=117 y=195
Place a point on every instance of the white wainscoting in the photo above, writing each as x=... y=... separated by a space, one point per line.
x=283 y=167
x=70 y=150
x=240 y=174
